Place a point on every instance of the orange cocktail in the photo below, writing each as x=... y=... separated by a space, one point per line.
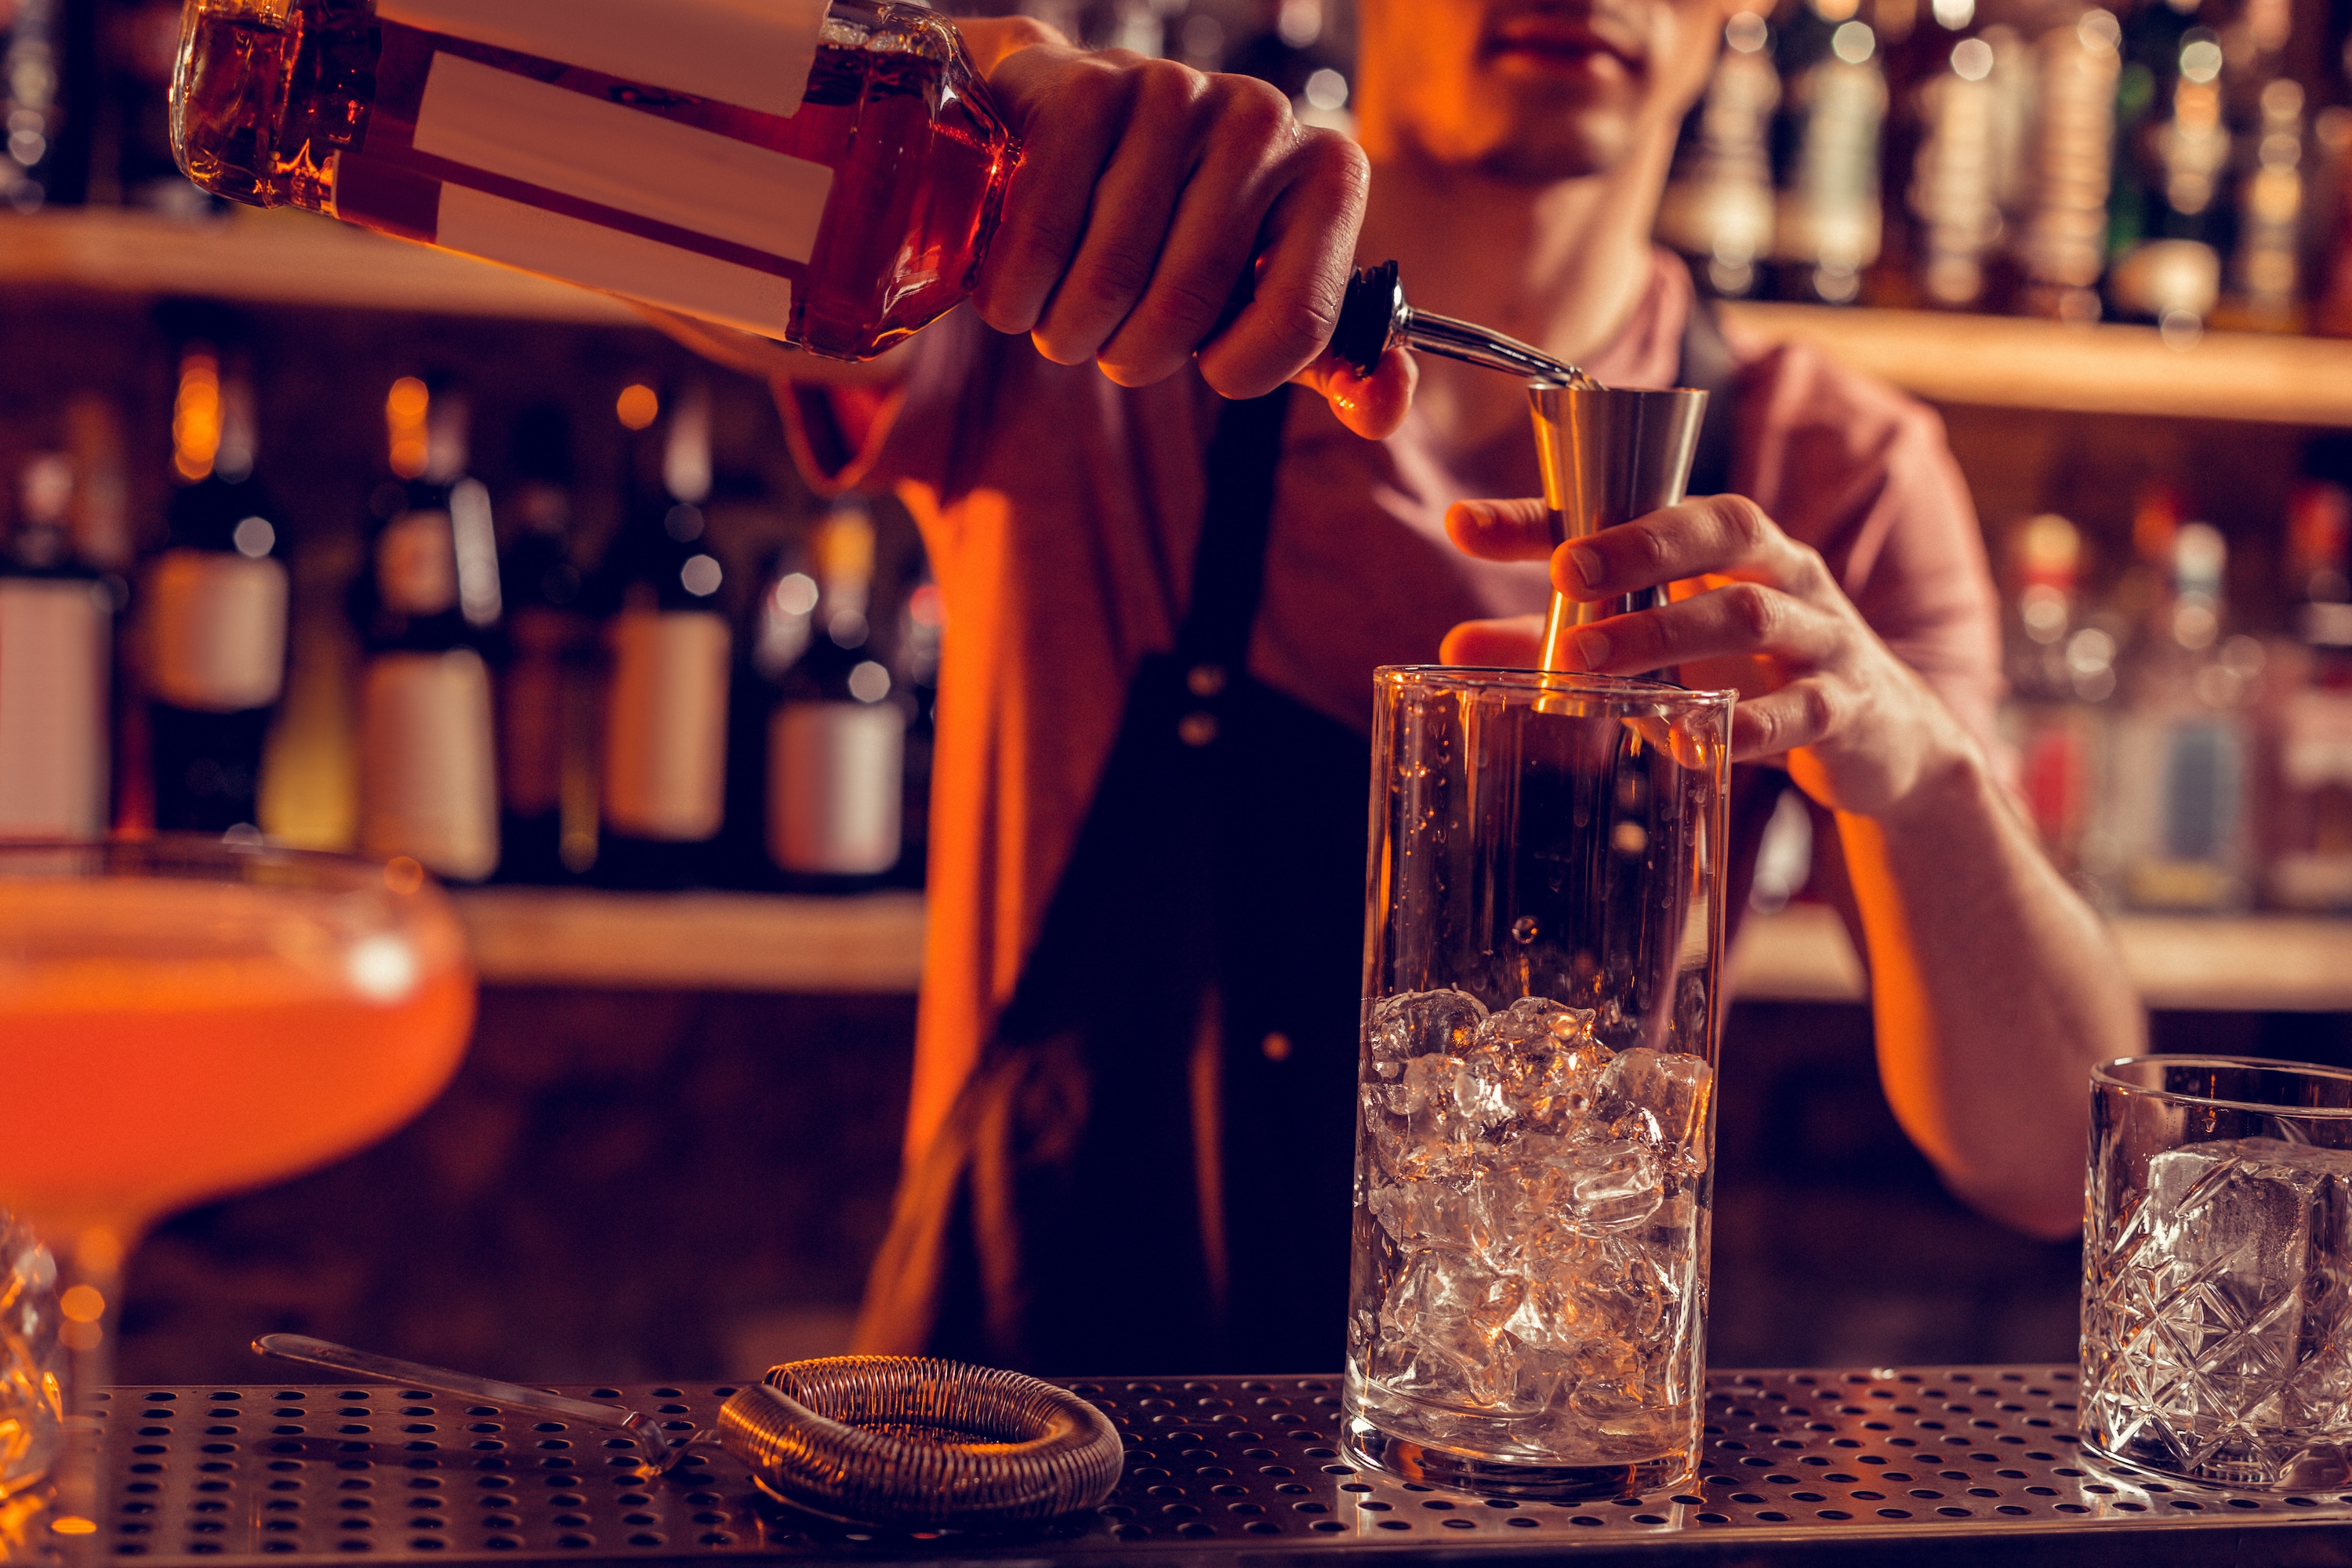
x=180 y=1019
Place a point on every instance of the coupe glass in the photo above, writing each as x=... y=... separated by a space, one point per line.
x=183 y=1019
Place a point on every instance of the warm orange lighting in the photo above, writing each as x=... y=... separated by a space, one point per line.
x=638 y=406
x=83 y=1304
x=73 y=1525
x=402 y=875
x=196 y=414
x=404 y=418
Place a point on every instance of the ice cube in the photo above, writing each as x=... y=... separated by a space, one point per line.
x=1537 y=1022
x=1661 y=1098
x=1417 y=1024
x=1440 y=1326
x=2221 y=1310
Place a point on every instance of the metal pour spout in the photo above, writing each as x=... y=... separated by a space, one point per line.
x=1374 y=318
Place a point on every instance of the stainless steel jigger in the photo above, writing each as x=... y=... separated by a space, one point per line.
x=1610 y=455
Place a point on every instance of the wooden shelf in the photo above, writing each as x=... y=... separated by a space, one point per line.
x=300 y=258
x=2270 y=963
x=282 y=257
x=873 y=944
x=2008 y=362
x=705 y=942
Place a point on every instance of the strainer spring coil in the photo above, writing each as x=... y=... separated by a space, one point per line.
x=917 y=1442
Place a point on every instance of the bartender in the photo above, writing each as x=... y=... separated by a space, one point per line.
x=1170 y=576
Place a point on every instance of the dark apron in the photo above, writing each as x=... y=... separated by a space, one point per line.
x=1149 y=1169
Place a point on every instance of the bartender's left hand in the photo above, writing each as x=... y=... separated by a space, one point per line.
x=1751 y=608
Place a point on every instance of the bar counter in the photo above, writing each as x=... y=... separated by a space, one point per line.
x=1939 y=1466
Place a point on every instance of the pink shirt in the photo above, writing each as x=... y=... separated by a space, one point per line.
x=1062 y=512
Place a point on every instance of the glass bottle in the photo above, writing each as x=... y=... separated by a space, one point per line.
x=429 y=778
x=837 y=741
x=825 y=175
x=2181 y=778
x=545 y=738
x=57 y=632
x=2308 y=823
x=1720 y=205
x=663 y=790
x=2061 y=673
x=922 y=633
x=214 y=609
x=1828 y=225
x=2062 y=246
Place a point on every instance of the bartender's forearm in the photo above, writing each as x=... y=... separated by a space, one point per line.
x=1987 y=1031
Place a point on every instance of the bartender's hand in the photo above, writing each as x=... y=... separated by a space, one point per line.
x=1752 y=608
x=1146 y=192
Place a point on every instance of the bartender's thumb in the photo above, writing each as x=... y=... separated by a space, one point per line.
x=1371 y=406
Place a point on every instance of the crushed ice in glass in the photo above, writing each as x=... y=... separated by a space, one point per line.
x=1541 y=1197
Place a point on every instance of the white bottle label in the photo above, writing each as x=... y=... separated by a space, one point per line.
x=55 y=641
x=665 y=726
x=215 y=631
x=428 y=783
x=835 y=778
x=752 y=53
x=621 y=158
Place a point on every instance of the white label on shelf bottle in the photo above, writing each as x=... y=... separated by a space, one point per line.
x=752 y=53
x=55 y=637
x=428 y=783
x=836 y=776
x=665 y=725
x=216 y=630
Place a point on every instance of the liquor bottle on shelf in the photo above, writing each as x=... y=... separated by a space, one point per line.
x=1969 y=96
x=2308 y=823
x=43 y=153
x=1719 y=206
x=663 y=792
x=56 y=636
x=2062 y=244
x=683 y=154
x=547 y=718
x=1828 y=225
x=2265 y=269
x=130 y=124
x=2168 y=266
x=2181 y=778
x=2061 y=673
x=428 y=779
x=213 y=610
x=837 y=738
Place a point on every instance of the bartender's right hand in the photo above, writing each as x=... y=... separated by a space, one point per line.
x=1146 y=192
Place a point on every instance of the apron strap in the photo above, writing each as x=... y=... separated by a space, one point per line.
x=1229 y=569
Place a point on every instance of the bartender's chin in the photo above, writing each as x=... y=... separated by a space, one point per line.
x=1570 y=146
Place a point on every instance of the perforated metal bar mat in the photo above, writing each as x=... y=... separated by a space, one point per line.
x=1971 y=1463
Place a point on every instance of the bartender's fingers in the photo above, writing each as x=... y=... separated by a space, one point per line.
x=1306 y=249
x=1233 y=145
x=1514 y=643
x=1371 y=406
x=1798 y=715
x=1501 y=530
x=1069 y=108
x=1143 y=279
x=1732 y=621
x=1728 y=535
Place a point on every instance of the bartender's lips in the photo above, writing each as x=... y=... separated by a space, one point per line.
x=1563 y=43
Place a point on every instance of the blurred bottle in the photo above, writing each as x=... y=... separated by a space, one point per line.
x=837 y=741
x=429 y=780
x=1293 y=50
x=2062 y=246
x=1827 y=226
x=102 y=533
x=130 y=159
x=2308 y=823
x=546 y=696
x=2181 y=775
x=213 y=610
x=1969 y=114
x=2328 y=226
x=2060 y=674
x=57 y=636
x=2170 y=219
x=1719 y=206
x=922 y=633
x=2266 y=268
x=666 y=639
x=42 y=159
